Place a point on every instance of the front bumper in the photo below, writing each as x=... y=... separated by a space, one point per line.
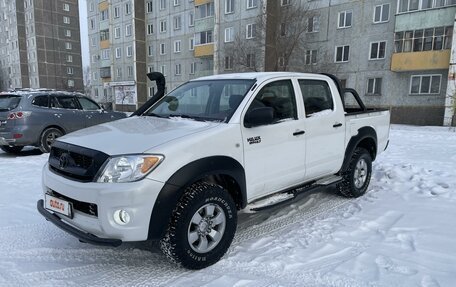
x=82 y=236
x=137 y=198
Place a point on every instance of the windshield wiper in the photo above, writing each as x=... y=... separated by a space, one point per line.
x=157 y=115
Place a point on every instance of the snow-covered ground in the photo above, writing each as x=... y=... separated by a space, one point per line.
x=401 y=233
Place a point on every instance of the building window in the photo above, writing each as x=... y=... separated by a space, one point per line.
x=70 y=83
x=203 y=38
x=177 y=69
x=92 y=24
x=381 y=13
x=252 y=4
x=283 y=29
x=66 y=20
x=176 y=2
x=104 y=35
x=313 y=24
x=163 y=70
x=128 y=30
x=129 y=51
x=250 y=60
x=118 y=53
x=191 y=44
x=150 y=51
x=436 y=39
x=425 y=84
x=191 y=19
x=374 y=86
x=117 y=32
x=149 y=7
x=205 y=10
x=69 y=58
x=177 y=46
x=192 y=68
x=310 y=57
x=228 y=63
x=68 y=46
x=250 y=31
x=163 y=4
x=91 y=6
x=94 y=58
x=106 y=54
x=177 y=20
x=66 y=7
x=162 y=48
x=414 y=5
x=70 y=70
x=68 y=33
x=342 y=54
x=150 y=29
x=117 y=12
x=229 y=6
x=281 y=61
x=104 y=15
x=345 y=19
x=285 y=2
x=377 y=50
x=229 y=34
x=162 y=26
x=130 y=71
x=119 y=72
x=127 y=8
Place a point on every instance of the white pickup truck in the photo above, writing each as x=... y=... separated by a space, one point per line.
x=181 y=167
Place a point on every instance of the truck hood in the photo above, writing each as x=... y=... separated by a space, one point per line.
x=135 y=134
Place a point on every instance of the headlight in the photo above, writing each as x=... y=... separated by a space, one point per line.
x=129 y=168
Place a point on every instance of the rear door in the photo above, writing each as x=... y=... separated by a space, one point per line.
x=274 y=154
x=325 y=127
x=67 y=112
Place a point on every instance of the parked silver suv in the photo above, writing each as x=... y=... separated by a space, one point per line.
x=38 y=117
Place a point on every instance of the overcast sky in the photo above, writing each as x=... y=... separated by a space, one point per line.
x=84 y=33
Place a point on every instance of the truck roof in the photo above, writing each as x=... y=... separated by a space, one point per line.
x=260 y=76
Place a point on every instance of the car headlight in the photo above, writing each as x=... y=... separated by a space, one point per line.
x=128 y=168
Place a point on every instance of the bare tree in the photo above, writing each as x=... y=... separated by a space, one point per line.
x=241 y=55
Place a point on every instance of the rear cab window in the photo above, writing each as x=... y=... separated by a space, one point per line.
x=317 y=97
x=9 y=102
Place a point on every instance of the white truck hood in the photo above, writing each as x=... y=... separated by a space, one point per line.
x=135 y=134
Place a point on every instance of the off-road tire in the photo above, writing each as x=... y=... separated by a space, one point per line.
x=45 y=143
x=11 y=149
x=348 y=186
x=175 y=243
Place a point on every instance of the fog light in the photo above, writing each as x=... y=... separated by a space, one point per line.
x=121 y=217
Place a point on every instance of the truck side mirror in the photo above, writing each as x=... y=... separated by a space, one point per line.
x=258 y=117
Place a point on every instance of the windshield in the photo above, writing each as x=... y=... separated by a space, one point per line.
x=214 y=100
x=9 y=102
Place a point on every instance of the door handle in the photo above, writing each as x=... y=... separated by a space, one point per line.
x=297 y=133
x=337 y=125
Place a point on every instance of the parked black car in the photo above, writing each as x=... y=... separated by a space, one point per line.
x=38 y=117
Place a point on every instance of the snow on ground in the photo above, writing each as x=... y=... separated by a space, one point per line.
x=401 y=233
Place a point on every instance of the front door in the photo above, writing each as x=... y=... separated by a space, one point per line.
x=274 y=154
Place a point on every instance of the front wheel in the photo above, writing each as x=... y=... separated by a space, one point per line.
x=202 y=226
x=48 y=137
x=356 y=178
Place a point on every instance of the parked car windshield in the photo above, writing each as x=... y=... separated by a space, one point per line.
x=214 y=100
x=9 y=102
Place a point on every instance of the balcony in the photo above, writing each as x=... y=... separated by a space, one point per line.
x=202 y=2
x=425 y=19
x=104 y=44
x=204 y=24
x=419 y=61
x=204 y=50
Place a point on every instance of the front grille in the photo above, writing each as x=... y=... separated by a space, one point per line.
x=85 y=207
x=76 y=162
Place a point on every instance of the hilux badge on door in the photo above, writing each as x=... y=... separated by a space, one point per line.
x=254 y=140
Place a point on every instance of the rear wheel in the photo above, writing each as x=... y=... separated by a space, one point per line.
x=48 y=137
x=357 y=177
x=11 y=149
x=202 y=226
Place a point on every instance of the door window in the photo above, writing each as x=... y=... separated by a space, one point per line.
x=280 y=96
x=317 y=97
x=64 y=102
x=88 y=105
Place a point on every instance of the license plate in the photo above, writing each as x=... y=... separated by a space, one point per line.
x=58 y=205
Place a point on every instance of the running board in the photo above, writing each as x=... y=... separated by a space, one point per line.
x=288 y=195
